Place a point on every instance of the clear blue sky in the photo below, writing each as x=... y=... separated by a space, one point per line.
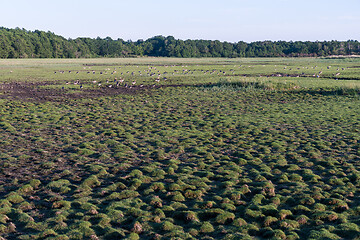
x=225 y=20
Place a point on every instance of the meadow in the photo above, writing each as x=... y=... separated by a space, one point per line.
x=177 y=148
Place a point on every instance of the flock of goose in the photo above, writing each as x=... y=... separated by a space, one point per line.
x=119 y=79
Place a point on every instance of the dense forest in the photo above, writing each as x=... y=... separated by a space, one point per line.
x=21 y=43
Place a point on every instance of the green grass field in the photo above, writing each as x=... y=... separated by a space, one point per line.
x=166 y=148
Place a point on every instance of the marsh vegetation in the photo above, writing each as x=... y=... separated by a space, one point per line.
x=163 y=148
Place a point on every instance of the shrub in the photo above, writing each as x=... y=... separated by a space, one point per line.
x=159 y=212
x=190 y=216
x=26 y=206
x=26 y=189
x=178 y=197
x=24 y=218
x=307 y=201
x=193 y=194
x=133 y=236
x=157 y=186
x=206 y=227
x=253 y=213
x=275 y=200
x=122 y=195
x=15 y=198
x=269 y=220
x=257 y=199
x=61 y=204
x=284 y=213
x=292 y=236
x=116 y=216
x=225 y=218
x=302 y=219
x=156 y=201
x=238 y=222
x=91 y=182
x=136 y=183
x=167 y=226
x=279 y=234
x=207 y=204
x=289 y=224
x=60 y=186
x=104 y=220
x=4 y=218
x=322 y=234
x=319 y=207
x=174 y=187
x=3 y=229
x=4 y=203
x=228 y=207
x=193 y=232
x=136 y=212
x=326 y=216
x=136 y=173
x=348 y=230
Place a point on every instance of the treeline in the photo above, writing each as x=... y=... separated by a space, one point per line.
x=21 y=43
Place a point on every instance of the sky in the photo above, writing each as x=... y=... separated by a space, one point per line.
x=225 y=20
